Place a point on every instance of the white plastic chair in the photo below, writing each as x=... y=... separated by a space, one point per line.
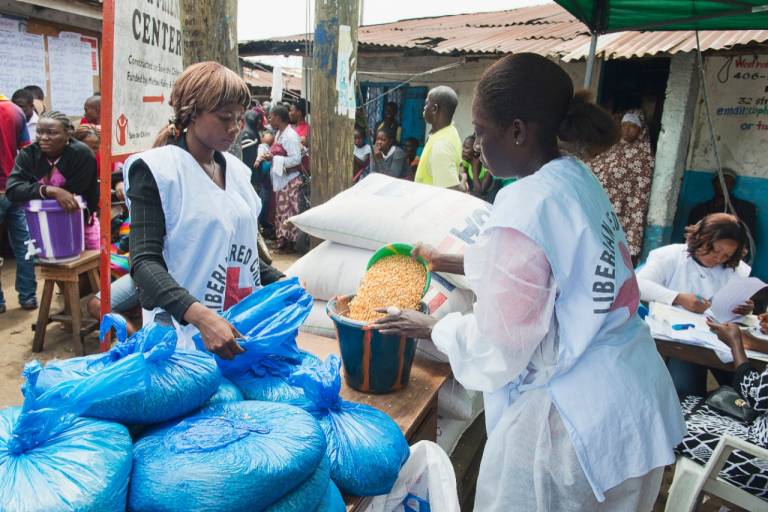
x=691 y=479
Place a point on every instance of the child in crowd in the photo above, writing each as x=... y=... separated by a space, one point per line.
x=362 y=152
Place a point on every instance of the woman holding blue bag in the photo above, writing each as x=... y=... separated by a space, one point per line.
x=194 y=250
x=580 y=411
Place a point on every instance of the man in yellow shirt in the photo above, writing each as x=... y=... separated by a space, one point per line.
x=440 y=160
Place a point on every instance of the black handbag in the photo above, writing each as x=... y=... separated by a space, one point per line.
x=726 y=400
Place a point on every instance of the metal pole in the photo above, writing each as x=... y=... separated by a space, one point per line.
x=590 y=61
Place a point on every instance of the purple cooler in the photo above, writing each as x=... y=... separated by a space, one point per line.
x=56 y=236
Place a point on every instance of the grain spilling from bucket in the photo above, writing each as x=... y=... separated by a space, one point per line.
x=392 y=281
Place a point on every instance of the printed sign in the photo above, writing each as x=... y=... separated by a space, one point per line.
x=147 y=60
x=738 y=101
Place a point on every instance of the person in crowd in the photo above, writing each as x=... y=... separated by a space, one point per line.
x=58 y=166
x=478 y=177
x=286 y=171
x=565 y=431
x=439 y=162
x=744 y=210
x=39 y=98
x=387 y=158
x=250 y=139
x=688 y=275
x=298 y=115
x=411 y=148
x=362 y=155
x=13 y=137
x=626 y=172
x=267 y=216
x=26 y=102
x=390 y=123
x=706 y=425
x=90 y=135
x=188 y=259
x=92 y=109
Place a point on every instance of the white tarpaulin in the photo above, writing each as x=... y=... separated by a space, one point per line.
x=147 y=60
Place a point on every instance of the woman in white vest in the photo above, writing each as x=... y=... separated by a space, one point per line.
x=580 y=411
x=194 y=212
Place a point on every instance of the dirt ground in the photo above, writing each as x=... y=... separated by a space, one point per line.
x=16 y=349
x=16 y=334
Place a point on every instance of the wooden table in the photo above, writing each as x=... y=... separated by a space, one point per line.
x=413 y=408
x=699 y=355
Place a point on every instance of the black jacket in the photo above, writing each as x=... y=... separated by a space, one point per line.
x=77 y=164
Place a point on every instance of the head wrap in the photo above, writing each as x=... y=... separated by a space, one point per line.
x=631 y=117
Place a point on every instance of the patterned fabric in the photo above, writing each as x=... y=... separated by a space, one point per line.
x=705 y=428
x=626 y=171
x=287 y=207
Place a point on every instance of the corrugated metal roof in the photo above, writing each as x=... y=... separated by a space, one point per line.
x=545 y=29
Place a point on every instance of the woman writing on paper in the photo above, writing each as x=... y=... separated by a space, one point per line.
x=689 y=275
x=581 y=413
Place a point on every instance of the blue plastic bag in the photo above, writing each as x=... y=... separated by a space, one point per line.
x=365 y=447
x=269 y=377
x=227 y=392
x=332 y=500
x=308 y=495
x=177 y=381
x=269 y=320
x=53 y=459
x=237 y=456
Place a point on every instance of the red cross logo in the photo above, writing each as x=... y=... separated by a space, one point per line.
x=233 y=293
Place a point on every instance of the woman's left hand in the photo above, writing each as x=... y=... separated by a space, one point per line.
x=409 y=323
x=744 y=309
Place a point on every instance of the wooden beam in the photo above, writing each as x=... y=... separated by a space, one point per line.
x=210 y=32
x=333 y=119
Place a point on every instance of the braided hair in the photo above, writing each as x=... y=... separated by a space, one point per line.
x=62 y=118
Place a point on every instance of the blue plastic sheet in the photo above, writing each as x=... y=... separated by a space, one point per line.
x=53 y=459
x=308 y=495
x=227 y=392
x=269 y=320
x=177 y=381
x=365 y=447
x=332 y=500
x=237 y=456
x=269 y=378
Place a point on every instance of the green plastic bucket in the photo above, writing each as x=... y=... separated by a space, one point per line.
x=398 y=249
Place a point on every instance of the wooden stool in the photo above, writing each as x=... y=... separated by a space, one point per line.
x=67 y=276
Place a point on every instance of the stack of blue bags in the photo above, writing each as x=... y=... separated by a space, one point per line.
x=291 y=445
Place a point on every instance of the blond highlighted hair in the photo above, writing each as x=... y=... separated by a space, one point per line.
x=202 y=87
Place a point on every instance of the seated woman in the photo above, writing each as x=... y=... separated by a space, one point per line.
x=688 y=275
x=387 y=158
x=57 y=166
x=706 y=426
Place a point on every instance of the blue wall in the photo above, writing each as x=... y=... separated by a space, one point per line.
x=697 y=187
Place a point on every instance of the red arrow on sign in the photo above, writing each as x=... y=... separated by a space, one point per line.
x=153 y=99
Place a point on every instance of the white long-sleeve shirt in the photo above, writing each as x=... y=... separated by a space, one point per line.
x=290 y=141
x=512 y=315
x=670 y=270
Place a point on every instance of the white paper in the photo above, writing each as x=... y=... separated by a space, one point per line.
x=662 y=317
x=71 y=72
x=22 y=56
x=345 y=102
x=733 y=295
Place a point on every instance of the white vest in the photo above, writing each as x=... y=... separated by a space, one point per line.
x=211 y=234
x=610 y=386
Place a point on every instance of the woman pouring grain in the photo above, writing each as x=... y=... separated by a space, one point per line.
x=581 y=413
